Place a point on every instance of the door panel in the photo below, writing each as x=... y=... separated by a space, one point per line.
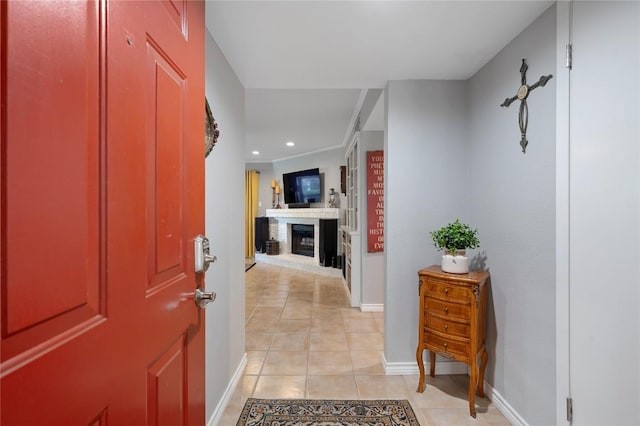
x=178 y=10
x=157 y=76
x=605 y=212
x=166 y=391
x=35 y=165
x=166 y=107
x=102 y=192
x=53 y=294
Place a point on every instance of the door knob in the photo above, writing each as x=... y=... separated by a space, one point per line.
x=203 y=298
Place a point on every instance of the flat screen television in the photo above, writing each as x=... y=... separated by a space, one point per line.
x=302 y=187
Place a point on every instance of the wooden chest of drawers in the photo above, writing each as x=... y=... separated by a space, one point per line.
x=453 y=323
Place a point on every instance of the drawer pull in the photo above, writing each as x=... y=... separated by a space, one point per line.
x=446 y=291
x=446 y=310
x=446 y=327
x=445 y=346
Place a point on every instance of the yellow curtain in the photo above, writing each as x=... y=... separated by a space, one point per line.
x=252 y=179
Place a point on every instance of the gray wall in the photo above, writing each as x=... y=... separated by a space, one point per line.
x=328 y=162
x=444 y=136
x=265 y=194
x=426 y=183
x=604 y=196
x=372 y=263
x=512 y=203
x=452 y=152
x=224 y=223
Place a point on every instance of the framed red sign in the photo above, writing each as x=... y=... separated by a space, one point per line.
x=375 y=201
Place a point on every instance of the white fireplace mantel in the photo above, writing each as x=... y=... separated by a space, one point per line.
x=322 y=213
x=280 y=228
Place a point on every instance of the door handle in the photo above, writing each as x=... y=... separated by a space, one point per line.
x=202 y=254
x=203 y=298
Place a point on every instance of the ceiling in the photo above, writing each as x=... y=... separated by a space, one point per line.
x=285 y=46
x=313 y=119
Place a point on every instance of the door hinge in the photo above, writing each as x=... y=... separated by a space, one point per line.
x=570 y=410
x=569 y=56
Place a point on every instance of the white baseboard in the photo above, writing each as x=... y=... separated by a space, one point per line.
x=503 y=406
x=391 y=369
x=228 y=392
x=408 y=368
x=455 y=367
x=372 y=307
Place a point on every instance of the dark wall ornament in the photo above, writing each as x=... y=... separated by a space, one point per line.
x=211 y=131
x=522 y=94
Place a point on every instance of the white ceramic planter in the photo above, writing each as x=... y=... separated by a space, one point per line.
x=458 y=264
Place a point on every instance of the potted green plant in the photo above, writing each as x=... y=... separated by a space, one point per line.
x=454 y=239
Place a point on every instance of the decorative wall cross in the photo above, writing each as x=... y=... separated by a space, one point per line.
x=522 y=94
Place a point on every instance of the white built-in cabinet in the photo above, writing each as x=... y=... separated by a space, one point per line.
x=350 y=232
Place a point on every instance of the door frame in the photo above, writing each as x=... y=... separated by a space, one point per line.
x=563 y=210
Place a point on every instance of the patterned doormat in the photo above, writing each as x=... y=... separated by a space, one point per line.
x=308 y=412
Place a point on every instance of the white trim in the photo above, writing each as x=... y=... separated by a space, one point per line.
x=306 y=213
x=503 y=406
x=356 y=269
x=302 y=154
x=372 y=307
x=354 y=117
x=455 y=367
x=353 y=141
x=228 y=392
x=563 y=225
x=408 y=368
x=347 y=136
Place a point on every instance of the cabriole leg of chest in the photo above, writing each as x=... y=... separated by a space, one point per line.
x=432 y=363
x=419 y=353
x=473 y=382
x=484 y=358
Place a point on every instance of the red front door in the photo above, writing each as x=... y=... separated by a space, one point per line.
x=102 y=194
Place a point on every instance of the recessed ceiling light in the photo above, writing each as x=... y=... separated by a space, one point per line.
x=255 y=152
x=290 y=143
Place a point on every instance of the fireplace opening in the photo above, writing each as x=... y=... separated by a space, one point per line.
x=302 y=240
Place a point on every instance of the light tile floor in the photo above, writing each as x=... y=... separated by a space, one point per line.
x=303 y=340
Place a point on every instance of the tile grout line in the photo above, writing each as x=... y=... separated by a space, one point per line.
x=322 y=292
